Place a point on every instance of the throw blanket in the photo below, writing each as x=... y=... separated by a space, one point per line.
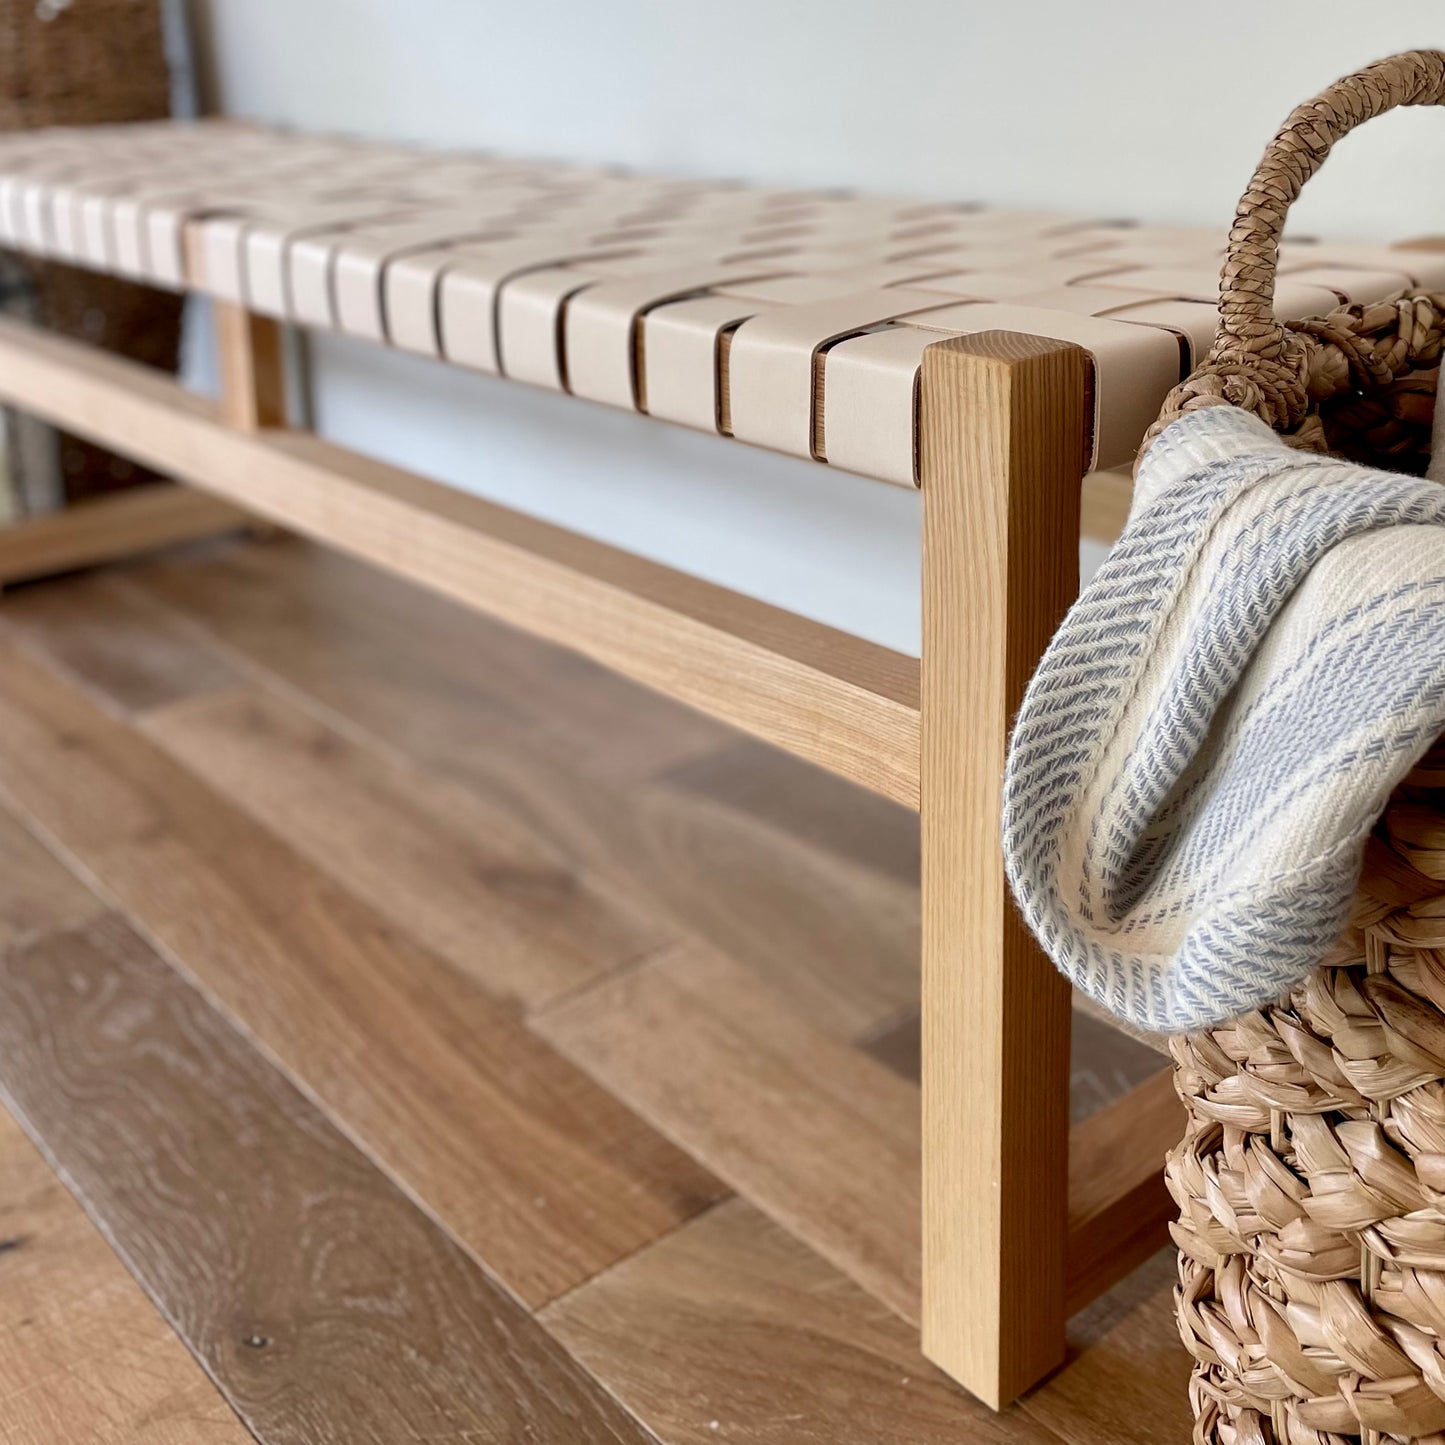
x=1221 y=719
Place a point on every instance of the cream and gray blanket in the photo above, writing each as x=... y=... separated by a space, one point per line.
x=1221 y=719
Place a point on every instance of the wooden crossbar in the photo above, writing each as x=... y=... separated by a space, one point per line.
x=1119 y=1209
x=1023 y=1223
x=835 y=699
x=115 y=525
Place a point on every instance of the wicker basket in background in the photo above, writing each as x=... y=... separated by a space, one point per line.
x=85 y=62
x=80 y=62
x=1311 y=1179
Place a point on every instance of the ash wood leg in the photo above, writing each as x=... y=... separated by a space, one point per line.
x=1003 y=432
x=251 y=359
x=252 y=366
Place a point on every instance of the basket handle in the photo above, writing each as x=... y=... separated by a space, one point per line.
x=1246 y=288
x=1257 y=362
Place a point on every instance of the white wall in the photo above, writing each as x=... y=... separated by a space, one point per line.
x=1129 y=108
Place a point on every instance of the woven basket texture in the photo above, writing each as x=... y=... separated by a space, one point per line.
x=1311 y=1179
x=90 y=62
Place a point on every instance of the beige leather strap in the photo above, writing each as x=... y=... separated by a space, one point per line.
x=1349 y=283
x=628 y=288
x=1296 y=299
x=770 y=365
x=1132 y=364
x=600 y=332
x=467 y=304
x=680 y=369
x=870 y=420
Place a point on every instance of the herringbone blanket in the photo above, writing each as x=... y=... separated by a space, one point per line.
x=1221 y=719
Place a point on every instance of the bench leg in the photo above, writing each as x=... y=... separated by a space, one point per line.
x=1002 y=440
x=250 y=350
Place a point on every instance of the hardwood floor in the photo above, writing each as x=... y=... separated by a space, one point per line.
x=447 y=1039
x=288 y=1263
x=86 y=1358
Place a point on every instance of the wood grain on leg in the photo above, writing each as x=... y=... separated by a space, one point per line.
x=1003 y=442
x=250 y=351
x=1104 y=1066
x=296 y=1272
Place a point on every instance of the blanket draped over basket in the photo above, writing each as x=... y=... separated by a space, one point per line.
x=1192 y=798
x=1221 y=719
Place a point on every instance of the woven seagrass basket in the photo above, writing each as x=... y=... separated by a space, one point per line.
x=81 y=62
x=76 y=63
x=1311 y=1178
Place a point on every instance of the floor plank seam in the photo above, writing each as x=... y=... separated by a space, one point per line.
x=18 y=638
x=541 y=1311
x=71 y=922
x=267 y=678
x=648 y=958
x=880 y=1029
x=171 y=1337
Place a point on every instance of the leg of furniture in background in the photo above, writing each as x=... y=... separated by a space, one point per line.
x=251 y=363
x=1003 y=434
x=252 y=368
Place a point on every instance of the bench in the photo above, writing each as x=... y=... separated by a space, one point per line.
x=1001 y=361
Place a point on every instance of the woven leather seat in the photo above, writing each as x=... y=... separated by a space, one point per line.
x=792 y=319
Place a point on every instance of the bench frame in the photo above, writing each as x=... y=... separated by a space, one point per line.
x=1023 y=1223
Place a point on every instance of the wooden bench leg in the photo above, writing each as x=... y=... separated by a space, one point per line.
x=250 y=350
x=1002 y=441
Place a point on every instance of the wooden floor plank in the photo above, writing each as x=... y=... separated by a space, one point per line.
x=130 y=653
x=738 y=859
x=462 y=877
x=327 y=1307
x=85 y=1358
x=534 y=1168
x=450 y=776
x=37 y=891
x=1127 y=1379
x=336 y=621
x=730 y=1330
x=836 y=931
x=817 y=808
x=813 y=1131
